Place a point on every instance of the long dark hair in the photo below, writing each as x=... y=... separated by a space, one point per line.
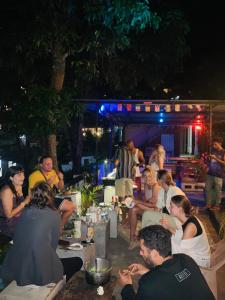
x=11 y=172
x=42 y=196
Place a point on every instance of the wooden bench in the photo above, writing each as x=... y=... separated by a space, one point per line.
x=217 y=262
x=34 y=292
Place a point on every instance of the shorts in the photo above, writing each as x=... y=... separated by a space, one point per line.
x=124 y=187
x=59 y=202
x=154 y=217
x=138 y=183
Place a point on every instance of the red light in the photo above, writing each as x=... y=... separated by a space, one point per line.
x=198 y=127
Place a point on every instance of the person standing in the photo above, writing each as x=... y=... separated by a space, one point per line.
x=124 y=164
x=157 y=158
x=54 y=179
x=138 y=160
x=215 y=174
x=167 y=276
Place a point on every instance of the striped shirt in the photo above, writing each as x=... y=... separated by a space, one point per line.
x=126 y=163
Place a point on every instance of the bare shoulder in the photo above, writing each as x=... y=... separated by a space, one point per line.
x=6 y=191
x=190 y=231
x=156 y=187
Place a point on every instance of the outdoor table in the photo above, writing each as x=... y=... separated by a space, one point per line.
x=86 y=254
x=101 y=238
x=77 y=288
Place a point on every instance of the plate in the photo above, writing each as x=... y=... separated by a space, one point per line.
x=76 y=246
x=129 y=202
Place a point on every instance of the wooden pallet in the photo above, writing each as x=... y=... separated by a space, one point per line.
x=192 y=187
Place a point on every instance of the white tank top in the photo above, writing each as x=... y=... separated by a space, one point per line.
x=148 y=192
x=136 y=160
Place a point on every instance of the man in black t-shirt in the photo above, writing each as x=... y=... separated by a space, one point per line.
x=168 y=277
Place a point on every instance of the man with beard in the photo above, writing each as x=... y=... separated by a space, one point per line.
x=167 y=277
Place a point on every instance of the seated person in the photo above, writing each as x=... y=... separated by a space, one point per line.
x=46 y=173
x=193 y=241
x=151 y=195
x=12 y=201
x=32 y=259
x=167 y=191
x=166 y=276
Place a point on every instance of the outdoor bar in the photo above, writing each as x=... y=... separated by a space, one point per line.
x=112 y=150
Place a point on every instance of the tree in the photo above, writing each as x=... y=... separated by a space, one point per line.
x=149 y=62
x=55 y=30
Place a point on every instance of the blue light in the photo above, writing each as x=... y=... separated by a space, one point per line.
x=161 y=114
x=161 y=120
x=102 y=108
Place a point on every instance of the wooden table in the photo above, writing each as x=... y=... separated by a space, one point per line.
x=77 y=288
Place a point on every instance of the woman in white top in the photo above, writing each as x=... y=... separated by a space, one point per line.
x=157 y=159
x=167 y=191
x=193 y=240
x=151 y=195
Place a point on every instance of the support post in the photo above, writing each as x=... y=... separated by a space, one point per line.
x=210 y=126
x=196 y=143
x=189 y=140
x=96 y=146
x=110 y=138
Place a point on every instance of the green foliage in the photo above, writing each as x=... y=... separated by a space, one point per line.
x=89 y=196
x=40 y=111
x=144 y=57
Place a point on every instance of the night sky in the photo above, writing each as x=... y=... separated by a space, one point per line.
x=204 y=71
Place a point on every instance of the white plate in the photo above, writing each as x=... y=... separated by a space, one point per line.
x=129 y=202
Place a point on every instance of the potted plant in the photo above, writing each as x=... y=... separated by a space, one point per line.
x=89 y=196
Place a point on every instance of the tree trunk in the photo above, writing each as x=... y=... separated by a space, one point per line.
x=52 y=149
x=57 y=80
x=76 y=142
x=58 y=69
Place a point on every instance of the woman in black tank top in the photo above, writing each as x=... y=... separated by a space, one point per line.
x=193 y=240
x=181 y=208
x=12 y=200
x=193 y=220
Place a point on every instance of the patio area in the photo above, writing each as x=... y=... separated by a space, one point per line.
x=120 y=257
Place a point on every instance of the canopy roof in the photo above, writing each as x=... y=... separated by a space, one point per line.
x=136 y=111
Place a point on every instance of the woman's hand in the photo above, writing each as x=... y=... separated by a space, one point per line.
x=164 y=222
x=27 y=200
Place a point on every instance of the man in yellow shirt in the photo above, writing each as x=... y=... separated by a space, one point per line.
x=55 y=180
